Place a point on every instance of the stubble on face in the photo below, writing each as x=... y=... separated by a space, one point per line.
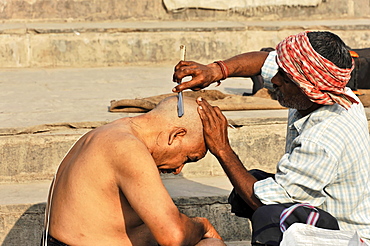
x=297 y=101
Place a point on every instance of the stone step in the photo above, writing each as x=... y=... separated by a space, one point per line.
x=22 y=209
x=102 y=10
x=31 y=157
x=103 y=44
x=44 y=111
x=238 y=243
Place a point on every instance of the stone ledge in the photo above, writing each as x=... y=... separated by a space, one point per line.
x=40 y=45
x=180 y=26
x=102 y=10
x=30 y=157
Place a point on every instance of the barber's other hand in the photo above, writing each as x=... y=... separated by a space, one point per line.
x=214 y=127
x=202 y=75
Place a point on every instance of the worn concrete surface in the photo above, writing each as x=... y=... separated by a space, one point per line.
x=31 y=97
x=107 y=44
x=97 y=10
x=38 y=96
x=30 y=157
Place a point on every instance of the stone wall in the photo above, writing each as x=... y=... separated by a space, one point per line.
x=117 y=10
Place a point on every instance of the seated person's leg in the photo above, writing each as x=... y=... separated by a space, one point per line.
x=266 y=222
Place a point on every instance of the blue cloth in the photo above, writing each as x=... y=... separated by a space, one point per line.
x=269 y=70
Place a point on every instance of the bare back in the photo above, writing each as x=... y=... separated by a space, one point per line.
x=88 y=206
x=108 y=190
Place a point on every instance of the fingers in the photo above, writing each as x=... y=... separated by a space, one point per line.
x=220 y=115
x=192 y=84
x=203 y=111
x=183 y=69
x=198 y=72
x=208 y=111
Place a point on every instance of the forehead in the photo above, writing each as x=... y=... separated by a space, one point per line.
x=198 y=149
x=287 y=76
x=282 y=73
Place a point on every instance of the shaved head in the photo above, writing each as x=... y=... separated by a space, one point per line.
x=178 y=140
x=167 y=110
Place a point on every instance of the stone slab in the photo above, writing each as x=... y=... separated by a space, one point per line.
x=30 y=157
x=238 y=243
x=108 y=10
x=91 y=44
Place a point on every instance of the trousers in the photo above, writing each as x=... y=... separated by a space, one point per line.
x=266 y=219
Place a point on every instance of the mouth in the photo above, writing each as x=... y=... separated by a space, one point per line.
x=174 y=171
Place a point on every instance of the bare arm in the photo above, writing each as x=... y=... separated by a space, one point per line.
x=215 y=132
x=140 y=182
x=243 y=65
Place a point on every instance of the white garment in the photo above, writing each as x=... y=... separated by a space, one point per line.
x=227 y=4
x=300 y=234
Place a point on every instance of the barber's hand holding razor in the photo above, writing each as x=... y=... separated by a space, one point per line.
x=202 y=75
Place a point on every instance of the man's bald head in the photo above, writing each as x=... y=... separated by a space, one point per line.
x=167 y=111
x=179 y=140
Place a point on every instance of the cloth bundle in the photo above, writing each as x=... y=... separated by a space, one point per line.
x=226 y=102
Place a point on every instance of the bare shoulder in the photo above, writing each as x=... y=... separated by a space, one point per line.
x=116 y=137
x=119 y=144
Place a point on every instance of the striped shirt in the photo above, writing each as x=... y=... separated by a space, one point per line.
x=326 y=164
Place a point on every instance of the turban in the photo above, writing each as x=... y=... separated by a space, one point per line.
x=320 y=79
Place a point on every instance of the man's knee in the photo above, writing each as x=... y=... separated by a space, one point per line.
x=266 y=222
x=268 y=214
x=211 y=242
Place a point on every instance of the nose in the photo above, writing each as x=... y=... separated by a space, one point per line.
x=277 y=80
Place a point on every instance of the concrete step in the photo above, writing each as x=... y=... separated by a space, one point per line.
x=102 y=10
x=31 y=157
x=44 y=111
x=103 y=44
x=35 y=100
x=22 y=209
x=238 y=243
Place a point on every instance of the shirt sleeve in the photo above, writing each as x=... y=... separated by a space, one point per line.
x=302 y=176
x=269 y=70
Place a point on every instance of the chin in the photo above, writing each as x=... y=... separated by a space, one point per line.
x=295 y=104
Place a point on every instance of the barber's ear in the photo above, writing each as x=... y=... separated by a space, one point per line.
x=176 y=133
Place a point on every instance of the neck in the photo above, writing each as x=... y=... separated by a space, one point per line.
x=310 y=109
x=142 y=128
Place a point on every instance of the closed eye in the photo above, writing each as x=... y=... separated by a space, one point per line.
x=191 y=159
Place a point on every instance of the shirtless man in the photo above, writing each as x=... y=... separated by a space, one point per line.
x=108 y=190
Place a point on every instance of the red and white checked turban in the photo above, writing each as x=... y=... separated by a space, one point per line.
x=320 y=79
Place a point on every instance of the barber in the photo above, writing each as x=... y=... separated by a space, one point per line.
x=325 y=168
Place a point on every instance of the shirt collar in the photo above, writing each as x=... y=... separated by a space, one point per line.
x=298 y=122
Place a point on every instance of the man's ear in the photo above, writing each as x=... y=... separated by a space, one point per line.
x=176 y=133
